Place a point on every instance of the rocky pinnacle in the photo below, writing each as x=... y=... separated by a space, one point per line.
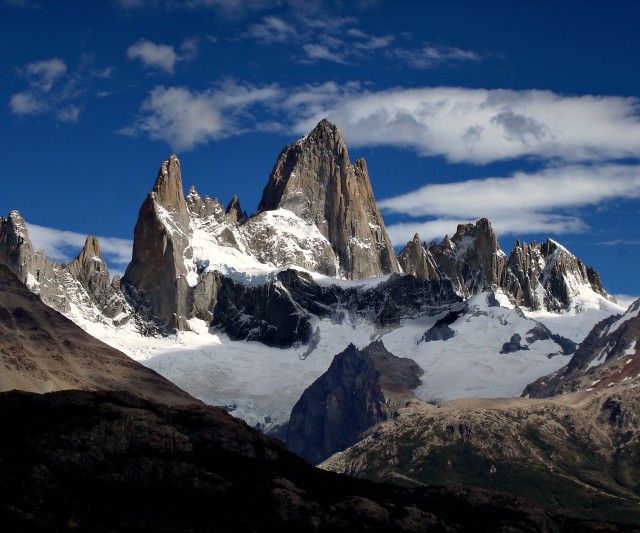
x=315 y=179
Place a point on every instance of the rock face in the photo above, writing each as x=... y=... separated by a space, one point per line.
x=575 y=455
x=315 y=179
x=548 y=276
x=83 y=282
x=417 y=259
x=536 y=276
x=609 y=355
x=360 y=389
x=90 y=270
x=472 y=258
x=280 y=312
x=160 y=247
x=42 y=351
x=113 y=462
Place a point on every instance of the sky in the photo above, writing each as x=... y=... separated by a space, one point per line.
x=526 y=113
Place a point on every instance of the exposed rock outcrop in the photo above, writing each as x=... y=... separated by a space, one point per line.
x=279 y=313
x=360 y=389
x=83 y=282
x=472 y=258
x=90 y=270
x=536 y=276
x=160 y=247
x=551 y=271
x=417 y=259
x=315 y=179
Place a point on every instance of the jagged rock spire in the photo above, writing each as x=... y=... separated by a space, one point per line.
x=168 y=189
x=315 y=179
x=472 y=258
x=417 y=260
x=160 y=243
x=234 y=211
x=91 y=271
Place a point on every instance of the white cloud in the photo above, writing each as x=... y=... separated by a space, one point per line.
x=185 y=118
x=153 y=55
x=337 y=39
x=64 y=246
x=518 y=205
x=162 y=56
x=476 y=125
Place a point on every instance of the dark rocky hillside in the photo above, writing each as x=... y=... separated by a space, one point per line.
x=97 y=461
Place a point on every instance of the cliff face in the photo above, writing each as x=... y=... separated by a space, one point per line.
x=315 y=179
x=472 y=258
x=418 y=260
x=360 y=389
x=160 y=246
x=536 y=276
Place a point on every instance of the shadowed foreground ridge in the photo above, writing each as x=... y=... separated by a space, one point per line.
x=99 y=461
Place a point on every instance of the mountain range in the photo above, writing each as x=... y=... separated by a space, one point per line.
x=302 y=320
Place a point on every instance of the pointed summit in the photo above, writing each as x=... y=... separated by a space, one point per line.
x=168 y=186
x=315 y=179
x=234 y=211
x=472 y=258
x=168 y=189
x=417 y=260
x=160 y=240
x=91 y=271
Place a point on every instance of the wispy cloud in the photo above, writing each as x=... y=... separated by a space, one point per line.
x=319 y=51
x=621 y=242
x=337 y=40
x=521 y=204
x=475 y=125
x=184 y=118
x=432 y=56
x=53 y=88
x=162 y=56
x=271 y=30
x=40 y=76
x=64 y=246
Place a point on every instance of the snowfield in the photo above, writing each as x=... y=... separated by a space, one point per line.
x=261 y=384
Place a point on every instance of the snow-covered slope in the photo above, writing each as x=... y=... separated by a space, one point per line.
x=261 y=384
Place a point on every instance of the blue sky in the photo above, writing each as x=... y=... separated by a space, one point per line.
x=526 y=113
